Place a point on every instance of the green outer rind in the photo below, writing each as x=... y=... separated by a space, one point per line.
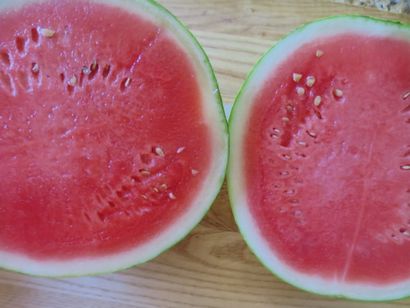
x=235 y=109
x=221 y=112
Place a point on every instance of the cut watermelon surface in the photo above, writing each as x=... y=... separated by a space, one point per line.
x=113 y=142
x=319 y=172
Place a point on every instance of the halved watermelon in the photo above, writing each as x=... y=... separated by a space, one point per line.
x=113 y=140
x=319 y=172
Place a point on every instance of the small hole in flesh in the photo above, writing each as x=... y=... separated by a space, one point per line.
x=402 y=230
x=20 y=44
x=34 y=35
x=106 y=70
x=5 y=58
x=62 y=77
x=93 y=70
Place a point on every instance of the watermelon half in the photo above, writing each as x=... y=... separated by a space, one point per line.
x=319 y=171
x=113 y=140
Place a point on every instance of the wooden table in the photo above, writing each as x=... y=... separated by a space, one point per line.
x=212 y=267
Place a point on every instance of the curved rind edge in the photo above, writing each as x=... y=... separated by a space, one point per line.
x=165 y=13
x=230 y=178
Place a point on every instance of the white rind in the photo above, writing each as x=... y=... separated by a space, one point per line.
x=237 y=187
x=215 y=120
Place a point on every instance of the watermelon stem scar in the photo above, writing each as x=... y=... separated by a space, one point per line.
x=113 y=138
x=319 y=163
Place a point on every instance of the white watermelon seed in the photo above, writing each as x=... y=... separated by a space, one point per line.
x=319 y=53
x=302 y=143
x=86 y=70
x=163 y=186
x=155 y=190
x=194 y=172
x=337 y=92
x=310 y=81
x=300 y=91
x=145 y=172
x=127 y=82
x=72 y=82
x=144 y=197
x=311 y=134
x=317 y=101
x=159 y=151
x=406 y=95
x=405 y=167
x=180 y=150
x=35 y=68
x=47 y=32
x=285 y=119
x=171 y=196
x=296 y=77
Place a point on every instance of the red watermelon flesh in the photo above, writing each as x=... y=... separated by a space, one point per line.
x=328 y=178
x=103 y=142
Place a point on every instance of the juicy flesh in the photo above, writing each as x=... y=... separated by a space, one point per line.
x=327 y=183
x=100 y=127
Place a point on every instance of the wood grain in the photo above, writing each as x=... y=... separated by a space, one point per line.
x=212 y=267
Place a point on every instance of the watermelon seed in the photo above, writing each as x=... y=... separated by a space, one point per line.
x=106 y=70
x=144 y=172
x=286 y=157
x=285 y=119
x=284 y=173
x=319 y=53
x=47 y=32
x=180 y=150
x=94 y=70
x=311 y=134
x=275 y=133
x=310 y=81
x=35 y=68
x=144 y=197
x=290 y=192
x=302 y=143
x=5 y=57
x=296 y=77
x=194 y=171
x=159 y=151
x=406 y=95
x=125 y=83
x=86 y=70
x=20 y=43
x=405 y=167
x=338 y=93
x=300 y=91
x=73 y=81
x=155 y=190
x=163 y=187
x=34 y=35
x=317 y=101
x=171 y=196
